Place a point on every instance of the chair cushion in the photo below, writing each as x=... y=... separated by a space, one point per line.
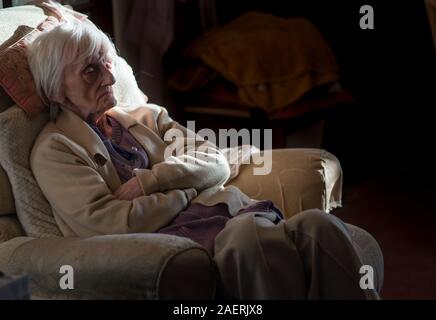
x=15 y=76
x=17 y=22
x=17 y=137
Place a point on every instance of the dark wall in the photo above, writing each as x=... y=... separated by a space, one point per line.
x=390 y=70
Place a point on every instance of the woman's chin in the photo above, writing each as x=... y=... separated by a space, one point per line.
x=113 y=102
x=109 y=102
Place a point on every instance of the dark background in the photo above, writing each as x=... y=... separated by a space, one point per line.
x=390 y=71
x=385 y=144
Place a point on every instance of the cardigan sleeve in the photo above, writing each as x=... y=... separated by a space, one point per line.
x=191 y=162
x=81 y=198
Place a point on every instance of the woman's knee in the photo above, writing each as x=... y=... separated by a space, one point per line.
x=369 y=252
x=314 y=217
x=238 y=236
x=317 y=223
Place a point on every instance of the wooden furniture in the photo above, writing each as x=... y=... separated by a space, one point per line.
x=222 y=109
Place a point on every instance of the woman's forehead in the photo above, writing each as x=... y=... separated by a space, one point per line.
x=96 y=56
x=93 y=57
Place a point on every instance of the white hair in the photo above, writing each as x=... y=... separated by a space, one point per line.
x=72 y=42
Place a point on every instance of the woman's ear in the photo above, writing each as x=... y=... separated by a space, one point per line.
x=61 y=98
x=68 y=104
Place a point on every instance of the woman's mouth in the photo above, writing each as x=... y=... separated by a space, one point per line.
x=108 y=91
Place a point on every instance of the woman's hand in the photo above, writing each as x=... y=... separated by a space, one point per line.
x=129 y=190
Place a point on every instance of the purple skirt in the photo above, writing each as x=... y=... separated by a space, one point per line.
x=202 y=224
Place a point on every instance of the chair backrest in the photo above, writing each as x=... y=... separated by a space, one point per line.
x=11 y=19
x=19 y=133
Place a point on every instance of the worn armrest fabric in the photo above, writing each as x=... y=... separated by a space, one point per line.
x=133 y=266
x=300 y=179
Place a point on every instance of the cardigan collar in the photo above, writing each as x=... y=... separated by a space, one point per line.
x=81 y=133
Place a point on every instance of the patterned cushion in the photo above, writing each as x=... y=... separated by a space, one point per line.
x=17 y=137
x=15 y=75
x=17 y=22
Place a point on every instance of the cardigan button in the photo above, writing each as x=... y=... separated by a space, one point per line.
x=100 y=159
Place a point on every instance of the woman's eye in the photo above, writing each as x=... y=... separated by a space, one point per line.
x=90 y=68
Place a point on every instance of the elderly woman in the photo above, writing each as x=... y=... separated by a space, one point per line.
x=103 y=169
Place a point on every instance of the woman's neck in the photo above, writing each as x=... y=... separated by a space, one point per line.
x=103 y=124
x=90 y=118
x=93 y=118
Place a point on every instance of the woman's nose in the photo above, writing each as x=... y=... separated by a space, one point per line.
x=108 y=76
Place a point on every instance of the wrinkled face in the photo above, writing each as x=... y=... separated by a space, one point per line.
x=88 y=87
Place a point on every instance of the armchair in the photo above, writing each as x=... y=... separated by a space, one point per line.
x=130 y=266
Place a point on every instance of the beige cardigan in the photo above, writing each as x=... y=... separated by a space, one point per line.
x=75 y=172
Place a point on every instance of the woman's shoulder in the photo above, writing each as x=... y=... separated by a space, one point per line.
x=144 y=114
x=52 y=141
x=49 y=132
x=137 y=111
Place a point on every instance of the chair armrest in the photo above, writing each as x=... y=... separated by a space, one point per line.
x=132 y=266
x=300 y=179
